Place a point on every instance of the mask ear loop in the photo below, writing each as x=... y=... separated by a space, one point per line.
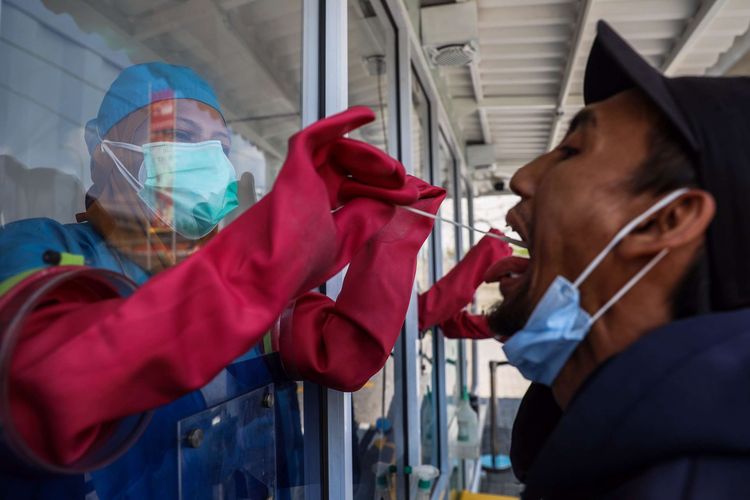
x=134 y=183
x=630 y=284
x=104 y=145
x=625 y=231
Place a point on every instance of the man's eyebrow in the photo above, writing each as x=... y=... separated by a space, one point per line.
x=584 y=118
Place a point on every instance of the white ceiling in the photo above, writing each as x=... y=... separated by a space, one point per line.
x=527 y=84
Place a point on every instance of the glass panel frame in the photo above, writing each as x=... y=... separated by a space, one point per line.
x=327 y=416
x=314 y=399
x=376 y=409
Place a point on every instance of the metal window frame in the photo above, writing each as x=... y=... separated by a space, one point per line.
x=474 y=344
x=411 y=56
x=460 y=188
x=430 y=156
x=434 y=133
x=325 y=62
x=313 y=394
x=398 y=11
x=327 y=415
x=439 y=372
x=405 y=353
x=472 y=242
x=328 y=427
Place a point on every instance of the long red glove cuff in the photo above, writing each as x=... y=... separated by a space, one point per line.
x=456 y=289
x=465 y=325
x=343 y=344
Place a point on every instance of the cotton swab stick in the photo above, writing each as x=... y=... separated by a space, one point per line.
x=506 y=239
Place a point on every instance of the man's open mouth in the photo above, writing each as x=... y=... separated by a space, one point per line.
x=514 y=275
x=511 y=272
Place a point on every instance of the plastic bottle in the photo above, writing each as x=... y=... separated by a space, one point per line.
x=382 y=488
x=424 y=488
x=421 y=481
x=467 y=440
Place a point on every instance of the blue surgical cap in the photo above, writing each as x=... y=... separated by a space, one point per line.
x=141 y=85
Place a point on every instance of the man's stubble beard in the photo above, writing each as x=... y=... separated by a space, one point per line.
x=509 y=316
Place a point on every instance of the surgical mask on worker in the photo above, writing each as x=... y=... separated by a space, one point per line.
x=558 y=323
x=188 y=186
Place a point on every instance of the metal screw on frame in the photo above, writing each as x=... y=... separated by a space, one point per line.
x=194 y=438
x=268 y=400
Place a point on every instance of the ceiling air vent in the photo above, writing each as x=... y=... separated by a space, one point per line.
x=450 y=33
x=455 y=54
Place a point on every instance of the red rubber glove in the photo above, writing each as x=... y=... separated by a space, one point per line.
x=465 y=325
x=445 y=299
x=343 y=344
x=80 y=367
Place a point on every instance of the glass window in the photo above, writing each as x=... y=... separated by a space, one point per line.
x=450 y=241
x=420 y=158
x=449 y=233
x=109 y=106
x=420 y=161
x=374 y=451
x=368 y=77
x=66 y=57
x=450 y=255
x=466 y=236
x=491 y=211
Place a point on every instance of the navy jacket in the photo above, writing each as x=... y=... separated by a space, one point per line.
x=669 y=418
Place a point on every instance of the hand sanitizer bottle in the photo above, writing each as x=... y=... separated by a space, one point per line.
x=467 y=441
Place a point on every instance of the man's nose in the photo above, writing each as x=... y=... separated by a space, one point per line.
x=524 y=181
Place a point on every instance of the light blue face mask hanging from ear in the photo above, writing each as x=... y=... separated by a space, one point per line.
x=189 y=186
x=558 y=323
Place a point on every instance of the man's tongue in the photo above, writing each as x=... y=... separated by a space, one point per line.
x=509 y=272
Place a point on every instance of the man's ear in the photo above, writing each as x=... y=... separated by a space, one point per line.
x=680 y=223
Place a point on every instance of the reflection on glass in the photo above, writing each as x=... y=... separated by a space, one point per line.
x=421 y=162
x=374 y=453
x=146 y=127
x=466 y=236
x=368 y=78
x=447 y=164
x=451 y=254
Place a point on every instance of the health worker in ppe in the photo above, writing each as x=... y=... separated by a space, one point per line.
x=631 y=316
x=124 y=329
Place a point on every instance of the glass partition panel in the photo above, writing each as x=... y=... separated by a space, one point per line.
x=420 y=126
x=466 y=236
x=449 y=235
x=374 y=453
x=420 y=160
x=491 y=212
x=133 y=131
x=447 y=164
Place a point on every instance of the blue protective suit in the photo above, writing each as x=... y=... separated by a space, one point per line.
x=149 y=469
